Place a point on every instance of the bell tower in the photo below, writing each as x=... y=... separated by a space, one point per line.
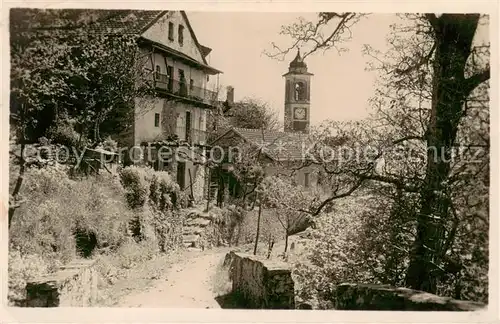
x=297 y=96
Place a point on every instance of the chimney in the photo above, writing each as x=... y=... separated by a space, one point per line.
x=230 y=95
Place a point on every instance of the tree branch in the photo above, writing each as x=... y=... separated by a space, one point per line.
x=397 y=182
x=407 y=138
x=334 y=197
x=423 y=61
x=473 y=81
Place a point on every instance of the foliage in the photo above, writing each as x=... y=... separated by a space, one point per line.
x=70 y=82
x=21 y=270
x=287 y=201
x=253 y=114
x=62 y=210
x=109 y=144
x=58 y=207
x=270 y=227
x=420 y=122
x=350 y=244
x=146 y=185
x=156 y=198
x=64 y=69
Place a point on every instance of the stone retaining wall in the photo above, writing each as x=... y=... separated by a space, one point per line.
x=379 y=297
x=260 y=283
x=75 y=284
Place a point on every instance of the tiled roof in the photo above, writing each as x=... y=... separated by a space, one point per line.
x=100 y=21
x=97 y=20
x=126 y=21
x=279 y=146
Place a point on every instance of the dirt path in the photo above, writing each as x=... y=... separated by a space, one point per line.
x=187 y=284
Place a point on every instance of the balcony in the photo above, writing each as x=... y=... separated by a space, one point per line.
x=193 y=136
x=184 y=90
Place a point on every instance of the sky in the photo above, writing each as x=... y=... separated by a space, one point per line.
x=340 y=87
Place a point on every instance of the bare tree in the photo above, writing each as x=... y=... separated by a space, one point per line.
x=433 y=74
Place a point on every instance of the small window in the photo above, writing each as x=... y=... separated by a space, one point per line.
x=208 y=78
x=191 y=84
x=157 y=120
x=171 y=31
x=306 y=180
x=157 y=72
x=170 y=72
x=180 y=35
x=299 y=91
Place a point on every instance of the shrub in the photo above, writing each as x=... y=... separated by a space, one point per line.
x=131 y=254
x=63 y=133
x=109 y=144
x=136 y=186
x=60 y=207
x=91 y=216
x=337 y=255
x=155 y=197
x=142 y=184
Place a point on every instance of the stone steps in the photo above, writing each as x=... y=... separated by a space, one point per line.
x=195 y=224
x=193 y=230
x=198 y=222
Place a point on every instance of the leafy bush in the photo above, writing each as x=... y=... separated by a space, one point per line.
x=59 y=207
x=109 y=144
x=62 y=132
x=143 y=184
x=338 y=254
x=270 y=227
x=155 y=197
x=91 y=216
x=135 y=181
x=366 y=239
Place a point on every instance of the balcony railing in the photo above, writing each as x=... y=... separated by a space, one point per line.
x=194 y=136
x=183 y=89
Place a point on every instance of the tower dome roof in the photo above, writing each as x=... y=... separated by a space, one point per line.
x=298 y=62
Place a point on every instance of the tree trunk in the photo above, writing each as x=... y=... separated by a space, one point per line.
x=19 y=182
x=286 y=241
x=220 y=189
x=258 y=230
x=270 y=247
x=453 y=37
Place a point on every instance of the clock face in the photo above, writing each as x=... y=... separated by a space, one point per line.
x=299 y=113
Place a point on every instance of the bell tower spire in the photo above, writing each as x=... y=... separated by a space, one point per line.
x=297 y=95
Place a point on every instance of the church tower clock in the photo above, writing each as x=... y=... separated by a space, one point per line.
x=297 y=96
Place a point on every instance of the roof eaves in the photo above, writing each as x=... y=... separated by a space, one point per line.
x=184 y=15
x=181 y=55
x=152 y=22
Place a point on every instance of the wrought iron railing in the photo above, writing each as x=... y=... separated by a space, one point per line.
x=184 y=89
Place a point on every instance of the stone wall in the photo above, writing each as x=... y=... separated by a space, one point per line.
x=379 y=297
x=260 y=283
x=75 y=284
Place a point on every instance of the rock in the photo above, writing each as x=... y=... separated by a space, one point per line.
x=192 y=231
x=198 y=222
x=190 y=238
x=304 y=306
